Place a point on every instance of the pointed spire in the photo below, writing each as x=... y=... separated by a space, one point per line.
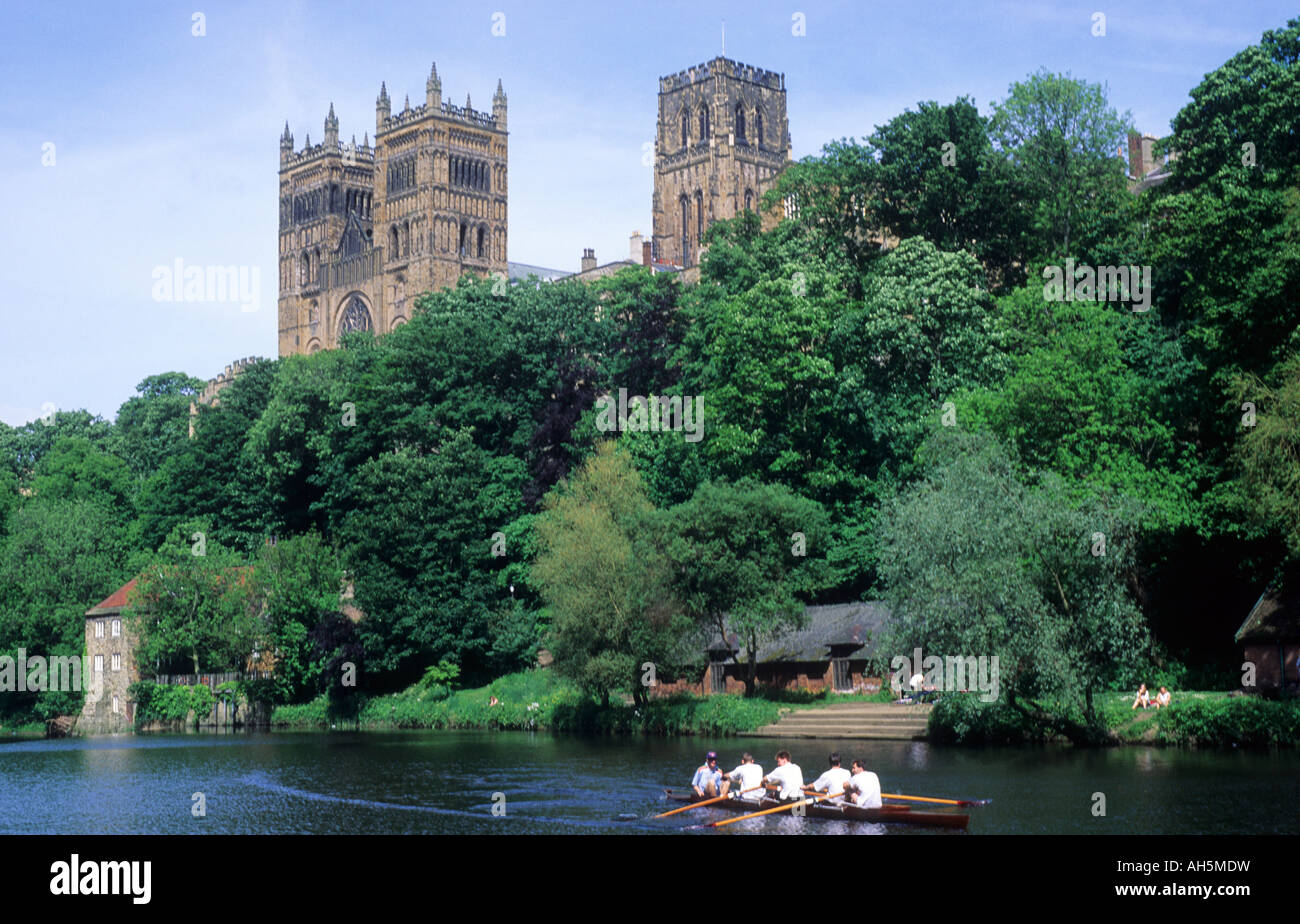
x=308 y=142
x=286 y=136
x=408 y=103
x=468 y=104
x=433 y=88
x=501 y=93
x=331 y=116
x=366 y=141
x=382 y=98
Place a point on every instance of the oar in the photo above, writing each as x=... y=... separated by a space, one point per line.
x=780 y=808
x=890 y=795
x=694 y=805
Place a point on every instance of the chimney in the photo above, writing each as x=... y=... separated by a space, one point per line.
x=588 y=259
x=634 y=246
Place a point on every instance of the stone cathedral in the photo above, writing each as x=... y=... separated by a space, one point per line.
x=364 y=229
x=721 y=140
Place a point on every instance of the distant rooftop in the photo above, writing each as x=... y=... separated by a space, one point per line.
x=521 y=271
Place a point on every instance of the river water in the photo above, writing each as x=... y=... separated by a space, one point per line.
x=444 y=782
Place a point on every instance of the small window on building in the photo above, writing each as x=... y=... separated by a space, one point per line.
x=99 y=628
x=99 y=664
x=117 y=661
x=116 y=705
x=117 y=628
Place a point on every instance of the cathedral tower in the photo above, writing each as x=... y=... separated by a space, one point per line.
x=364 y=229
x=722 y=139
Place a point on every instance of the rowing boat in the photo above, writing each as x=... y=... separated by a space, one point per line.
x=889 y=814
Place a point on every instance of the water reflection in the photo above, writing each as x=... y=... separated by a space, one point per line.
x=443 y=782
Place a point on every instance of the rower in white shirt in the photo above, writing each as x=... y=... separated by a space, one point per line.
x=833 y=780
x=863 y=787
x=748 y=776
x=787 y=777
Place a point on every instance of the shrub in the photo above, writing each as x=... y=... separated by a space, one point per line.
x=1247 y=721
x=964 y=719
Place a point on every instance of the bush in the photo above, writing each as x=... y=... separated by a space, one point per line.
x=1247 y=721
x=170 y=702
x=964 y=719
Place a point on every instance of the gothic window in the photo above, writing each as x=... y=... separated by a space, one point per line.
x=304 y=269
x=740 y=123
x=406 y=239
x=699 y=215
x=704 y=123
x=685 y=205
x=758 y=127
x=355 y=317
x=464 y=229
x=482 y=241
x=393 y=251
x=686 y=127
x=749 y=200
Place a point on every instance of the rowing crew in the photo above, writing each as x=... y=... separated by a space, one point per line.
x=861 y=787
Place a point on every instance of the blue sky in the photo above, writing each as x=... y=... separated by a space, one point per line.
x=166 y=143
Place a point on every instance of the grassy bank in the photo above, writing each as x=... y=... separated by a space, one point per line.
x=23 y=730
x=1194 y=719
x=540 y=700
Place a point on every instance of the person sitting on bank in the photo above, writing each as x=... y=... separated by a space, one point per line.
x=748 y=776
x=1162 y=698
x=863 y=787
x=1143 y=698
x=708 y=778
x=833 y=780
x=787 y=778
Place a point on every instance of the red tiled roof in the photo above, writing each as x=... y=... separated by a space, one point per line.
x=115 y=600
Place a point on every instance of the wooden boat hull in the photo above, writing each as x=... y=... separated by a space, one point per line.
x=889 y=814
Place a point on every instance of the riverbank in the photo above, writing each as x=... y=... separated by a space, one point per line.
x=1194 y=719
x=538 y=699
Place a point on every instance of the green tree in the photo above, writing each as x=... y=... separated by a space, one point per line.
x=976 y=562
x=195 y=604
x=744 y=557
x=299 y=579
x=153 y=424
x=1063 y=138
x=604 y=579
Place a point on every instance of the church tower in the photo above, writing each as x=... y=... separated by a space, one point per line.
x=365 y=229
x=721 y=140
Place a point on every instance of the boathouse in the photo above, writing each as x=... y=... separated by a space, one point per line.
x=1270 y=640
x=835 y=650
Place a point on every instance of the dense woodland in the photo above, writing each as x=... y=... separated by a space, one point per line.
x=1076 y=486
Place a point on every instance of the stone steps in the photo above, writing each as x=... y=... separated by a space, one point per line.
x=878 y=721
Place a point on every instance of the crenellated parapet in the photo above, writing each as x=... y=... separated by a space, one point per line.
x=724 y=67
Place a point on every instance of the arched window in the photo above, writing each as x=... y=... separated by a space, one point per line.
x=304 y=269
x=749 y=200
x=464 y=229
x=740 y=123
x=758 y=126
x=699 y=216
x=685 y=205
x=704 y=123
x=482 y=241
x=406 y=239
x=686 y=127
x=393 y=250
